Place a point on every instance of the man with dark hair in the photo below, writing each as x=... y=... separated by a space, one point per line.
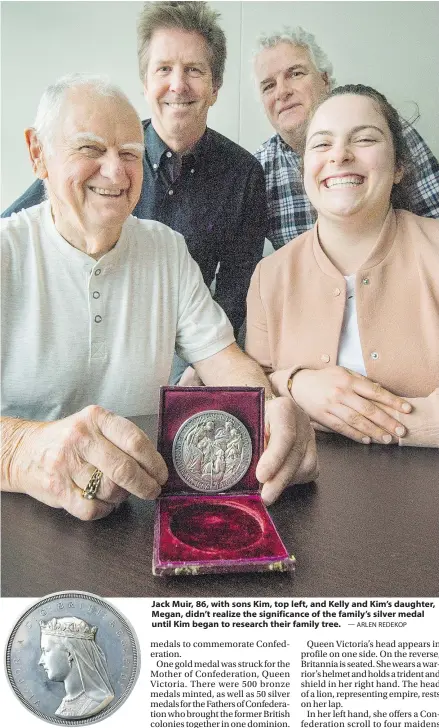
x=293 y=73
x=195 y=180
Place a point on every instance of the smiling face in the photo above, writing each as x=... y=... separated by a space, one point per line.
x=178 y=86
x=54 y=659
x=93 y=168
x=349 y=159
x=290 y=85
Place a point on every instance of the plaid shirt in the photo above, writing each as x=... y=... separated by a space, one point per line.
x=291 y=213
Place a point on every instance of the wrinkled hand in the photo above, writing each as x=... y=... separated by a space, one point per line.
x=55 y=460
x=291 y=455
x=190 y=378
x=350 y=404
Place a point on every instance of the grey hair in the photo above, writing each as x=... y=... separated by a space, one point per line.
x=49 y=107
x=300 y=37
x=194 y=17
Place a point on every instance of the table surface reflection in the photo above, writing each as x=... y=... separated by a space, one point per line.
x=369 y=526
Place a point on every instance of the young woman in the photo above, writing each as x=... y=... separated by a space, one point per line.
x=346 y=316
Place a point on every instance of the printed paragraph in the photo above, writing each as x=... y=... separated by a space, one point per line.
x=335 y=672
x=217 y=693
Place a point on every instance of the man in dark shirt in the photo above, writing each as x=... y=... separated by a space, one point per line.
x=195 y=180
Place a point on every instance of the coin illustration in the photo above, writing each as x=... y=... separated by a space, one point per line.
x=212 y=451
x=72 y=659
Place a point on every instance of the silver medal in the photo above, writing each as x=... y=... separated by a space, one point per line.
x=72 y=659
x=212 y=451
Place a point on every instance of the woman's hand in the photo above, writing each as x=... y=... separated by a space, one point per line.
x=54 y=461
x=350 y=404
x=422 y=423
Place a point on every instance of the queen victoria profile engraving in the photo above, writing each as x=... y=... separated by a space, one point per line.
x=69 y=654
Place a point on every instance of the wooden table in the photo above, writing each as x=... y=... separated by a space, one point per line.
x=368 y=527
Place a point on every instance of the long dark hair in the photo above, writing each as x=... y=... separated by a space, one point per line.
x=400 y=196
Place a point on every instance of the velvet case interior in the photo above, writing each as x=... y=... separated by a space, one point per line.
x=213 y=532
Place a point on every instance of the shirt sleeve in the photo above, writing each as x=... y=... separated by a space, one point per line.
x=256 y=340
x=243 y=249
x=35 y=194
x=423 y=188
x=203 y=328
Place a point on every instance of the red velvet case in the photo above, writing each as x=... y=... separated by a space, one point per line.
x=197 y=532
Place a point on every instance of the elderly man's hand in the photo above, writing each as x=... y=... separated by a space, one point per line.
x=291 y=455
x=54 y=461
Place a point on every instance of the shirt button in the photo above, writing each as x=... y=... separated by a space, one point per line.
x=97 y=272
x=171 y=192
x=98 y=319
x=169 y=154
x=374 y=355
x=337 y=291
x=192 y=171
x=365 y=281
x=325 y=358
x=155 y=166
x=96 y=294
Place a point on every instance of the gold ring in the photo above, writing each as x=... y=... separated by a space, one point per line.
x=93 y=484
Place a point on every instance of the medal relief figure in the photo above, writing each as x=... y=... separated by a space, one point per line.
x=233 y=450
x=212 y=449
x=69 y=654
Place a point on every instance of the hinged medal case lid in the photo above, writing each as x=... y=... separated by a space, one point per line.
x=207 y=528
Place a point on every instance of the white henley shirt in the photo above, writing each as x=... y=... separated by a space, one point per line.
x=77 y=331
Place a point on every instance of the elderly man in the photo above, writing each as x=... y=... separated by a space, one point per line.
x=93 y=303
x=293 y=73
x=194 y=179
